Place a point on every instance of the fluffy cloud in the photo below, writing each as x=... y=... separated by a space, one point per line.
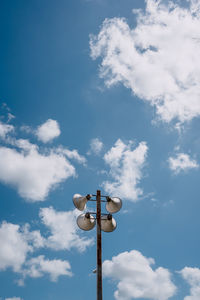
x=38 y=266
x=32 y=170
x=14 y=247
x=18 y=244
x=182 y=162
x=64 y=230
x=96 y=146
x=151 y=60
x=137 y=279
x=32 y=173
x=4 y=129
x=48 y=131
x=126 y=169
x=192 y=276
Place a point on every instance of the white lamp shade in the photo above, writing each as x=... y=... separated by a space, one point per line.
x=113 y=204
x=108 y=223
x=80 y=201
x=86 y=222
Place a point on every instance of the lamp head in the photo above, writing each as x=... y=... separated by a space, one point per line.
x=80 y=201
x=108 y=223
x=86 y=222
x=113 y=204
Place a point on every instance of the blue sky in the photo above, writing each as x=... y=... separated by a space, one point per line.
x=98 y=94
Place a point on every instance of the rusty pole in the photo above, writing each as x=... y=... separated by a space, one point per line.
x=99 y=252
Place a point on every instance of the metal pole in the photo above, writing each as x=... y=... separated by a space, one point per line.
x=99 y=252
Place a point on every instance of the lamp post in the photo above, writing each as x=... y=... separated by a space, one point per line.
x=105 y=222
x=99 y=247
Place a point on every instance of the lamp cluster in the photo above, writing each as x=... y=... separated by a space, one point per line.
x=104 y=222
x=86 y=221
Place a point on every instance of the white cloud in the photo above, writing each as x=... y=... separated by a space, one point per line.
x=34 y=171
x=10 y=117
x=126 y=169
x=14 y=298
x=26 y=129
x=137 y=279
x=34 y=237
x=48 y=131
x=18 y=244
x=96 y=146
x=71 y=154
x=64 y=230
x=33 y=174
x=23 y=144
x=5 y=129
x=14 y=247
x=182 y=162
x=192 y=276
x=158 y=59
x=38 y=266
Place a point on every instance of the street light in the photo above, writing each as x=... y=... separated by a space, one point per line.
x=105 y=222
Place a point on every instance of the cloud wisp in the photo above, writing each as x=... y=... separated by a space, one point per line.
x=5 y=129
x=96 y=146
x=151 y=60
x=14 y=298
x=182 y=162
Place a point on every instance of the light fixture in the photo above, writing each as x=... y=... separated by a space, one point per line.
x=113 y=204
x=108 y=223
x=105 y=222
x=86 y=222
x=80 y=201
